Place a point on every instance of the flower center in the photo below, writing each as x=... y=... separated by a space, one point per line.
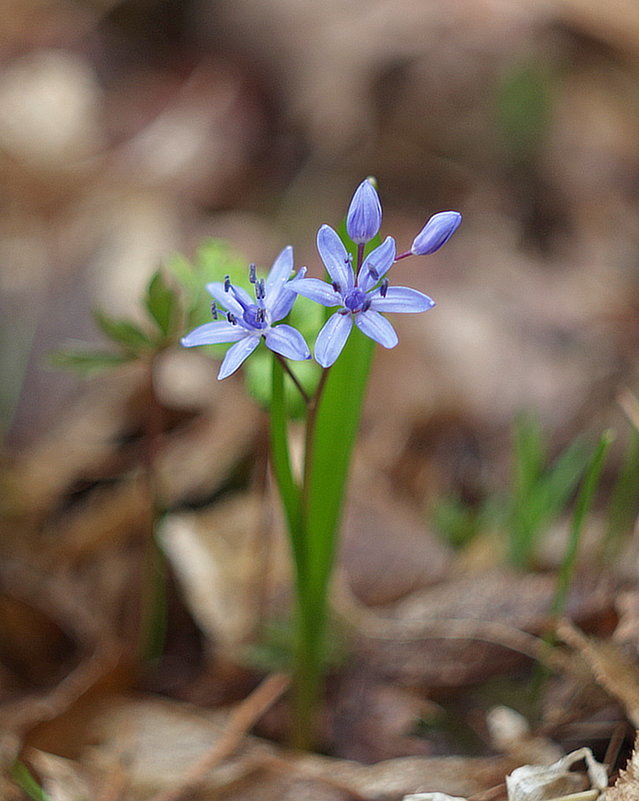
x=255 y=316
x=354 y=300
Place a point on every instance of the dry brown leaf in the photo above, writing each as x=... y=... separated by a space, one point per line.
x=626 y=788
x=168 y=738
x=62 y=779
x=220 y=560
x=552 y=782
x=611 y=669
x=465 y=628
x=627 y=631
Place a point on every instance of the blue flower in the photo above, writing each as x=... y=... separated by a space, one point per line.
x=247 y=321
x=437 y=231
x=364 y=216
x=361 y=298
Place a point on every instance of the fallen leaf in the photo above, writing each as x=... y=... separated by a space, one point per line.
x=611 y=669
x=626 y=788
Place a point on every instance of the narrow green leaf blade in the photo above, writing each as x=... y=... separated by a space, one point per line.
x=582 y=507
x=336 y=427
x=25 y=781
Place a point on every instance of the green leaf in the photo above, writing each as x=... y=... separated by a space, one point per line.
x=123 y=332
x=214 y=259
x=539 y=493
x=622 y=511
x=161 y=302
x=336 y=427
x=88 y=362
x=582 y=506
x=25 y=781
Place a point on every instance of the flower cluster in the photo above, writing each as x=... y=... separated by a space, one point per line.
x=360 y=292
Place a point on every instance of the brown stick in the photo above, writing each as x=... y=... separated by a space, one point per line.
x=241 y=720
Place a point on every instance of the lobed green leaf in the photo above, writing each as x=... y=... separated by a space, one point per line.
x=123 y=332
x=88 y=362
x=162 y=302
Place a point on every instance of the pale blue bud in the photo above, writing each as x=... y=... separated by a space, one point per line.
x=364 y=216
x=437 y=231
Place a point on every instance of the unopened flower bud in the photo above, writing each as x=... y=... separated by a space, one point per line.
x=364 y=216
x=437 y=231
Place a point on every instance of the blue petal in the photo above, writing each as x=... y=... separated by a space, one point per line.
x=228 y=299
x=317 y=290
x=380 y=261
x=213 y=334
x=236 y=354
x=335 y=257
x=278 y=275
x=401 y=299
x=364 y=216
x=332 y=338
x=437 y=231
x=287 y=341
x=283 y=303
x=376 y=327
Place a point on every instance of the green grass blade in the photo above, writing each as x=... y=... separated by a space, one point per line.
x=623 y=509
x=582 y=507
x=25 y=781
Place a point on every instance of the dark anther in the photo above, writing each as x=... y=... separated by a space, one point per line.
x=336 y=287
x=366 y=305
x=373 y=273
x=231 y=318
x=259 y=289
x=252 y=275
x=227 y=283
x=383 y=289
x=214 y=310
x=260 y=315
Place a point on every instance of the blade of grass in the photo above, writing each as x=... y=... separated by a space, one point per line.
x=25 y=781
x=582 y=507
x=583 y=504
x=623 y=510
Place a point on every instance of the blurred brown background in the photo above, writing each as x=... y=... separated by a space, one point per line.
x=129 y=130
x=132 y=129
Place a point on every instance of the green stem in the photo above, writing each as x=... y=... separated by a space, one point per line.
x=289 y=490
x=153 y=612
x=293 y=378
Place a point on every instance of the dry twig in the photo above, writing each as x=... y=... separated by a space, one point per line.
x=241 y=720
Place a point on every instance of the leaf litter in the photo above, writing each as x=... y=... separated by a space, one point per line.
x=537 y=307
